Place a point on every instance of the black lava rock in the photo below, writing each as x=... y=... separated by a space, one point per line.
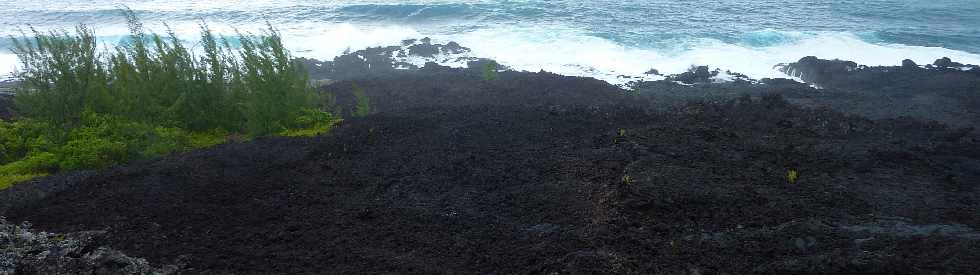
x=814 y=70
x=699 y=74
x=944 y=62
x=909 y=64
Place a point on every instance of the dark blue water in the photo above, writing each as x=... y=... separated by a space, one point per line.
x=599 y=38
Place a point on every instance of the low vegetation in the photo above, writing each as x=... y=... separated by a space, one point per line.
x=83 y=108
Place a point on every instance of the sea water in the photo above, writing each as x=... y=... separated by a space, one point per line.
x=598 y=38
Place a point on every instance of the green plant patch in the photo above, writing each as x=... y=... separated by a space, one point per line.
x=9 y=180
x=81 y=107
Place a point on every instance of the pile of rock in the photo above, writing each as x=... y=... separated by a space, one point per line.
x=27 y=251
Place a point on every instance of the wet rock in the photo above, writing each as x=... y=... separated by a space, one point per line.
x=454 y=48
x=652 y=72
x=386 y=61
x=698 y=74
x=947 y=63
x=814 y=70
x=909 y=64
x=423 y=50
x=944 y=62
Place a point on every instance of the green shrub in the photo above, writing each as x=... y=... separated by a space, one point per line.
x=275 y=87
x=207 y=139
x=102 y=140
x=311 y=122
x=8 y=180
x=363 y=102
x=20 y=138
x=151 y=96
x=34 y=164
x=490 y=71
x=156 y=80
x=165 y=140
x=91 y=153
x=62 y=75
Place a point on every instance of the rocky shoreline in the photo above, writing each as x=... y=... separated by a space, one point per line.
x=535 y=172
x=945 y=91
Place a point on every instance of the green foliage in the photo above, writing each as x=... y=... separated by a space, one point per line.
x=490 y=71
x=32 y=164
x=206 y=139
x=99 y=141
x=91 y=153
x=19 y=138
x=61 y=74
x=363 y=107
x=8 y=180
x=156 y=80
x=310 y=123
x=86 y=109
x=275 y=86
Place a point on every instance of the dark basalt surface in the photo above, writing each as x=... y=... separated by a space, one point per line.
x=440 y=86
x=948 y=95
x=511 y=189
x=541 y=173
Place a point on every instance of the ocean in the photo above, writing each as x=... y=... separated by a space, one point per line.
x=598 y=38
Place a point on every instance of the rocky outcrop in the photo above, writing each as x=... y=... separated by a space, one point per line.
x=652 y=72
x=908 y=64
x=696 y=74
x=947 y=63
x=814 y=70
x=28 y=251
x=412 y=54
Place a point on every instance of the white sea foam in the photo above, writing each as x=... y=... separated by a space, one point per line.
x=8 y=63
x=570 y=51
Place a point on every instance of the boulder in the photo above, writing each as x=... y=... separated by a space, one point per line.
x=909 y=64
x=944 y=62
x=696 y=74
x=423 y=50
x=818 y=71
x=454 y=48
